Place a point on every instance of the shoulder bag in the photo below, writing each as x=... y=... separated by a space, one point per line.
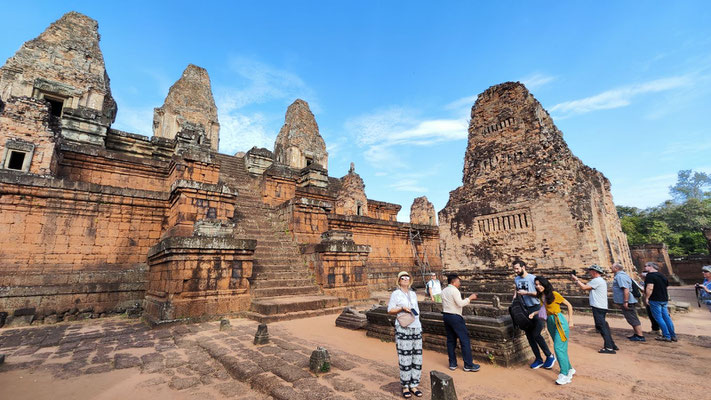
x=405 y=319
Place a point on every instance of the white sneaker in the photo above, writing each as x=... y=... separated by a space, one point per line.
x=563 y=379
x=571 y=372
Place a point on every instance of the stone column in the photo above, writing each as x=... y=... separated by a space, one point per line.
x=198 y=269
x=339 y=265
x=195 y=277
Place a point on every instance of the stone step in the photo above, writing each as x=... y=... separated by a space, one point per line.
x=266 y=319
x=284 y=256
x=280 y=275
x=266 y=267
x=276 y=283
x=291 y=304
x=285 y=291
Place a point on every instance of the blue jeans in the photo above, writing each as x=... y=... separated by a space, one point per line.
x=661 y=315
x=457 y=329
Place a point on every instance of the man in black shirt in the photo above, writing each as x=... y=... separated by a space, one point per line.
x=655 y=291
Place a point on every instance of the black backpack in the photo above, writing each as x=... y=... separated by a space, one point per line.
x=635 y=290
x=519 y=314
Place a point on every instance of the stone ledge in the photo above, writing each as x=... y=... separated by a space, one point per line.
x=382 y=222
x=201 y=243
x=97 y=151
x=208 y=187
x=24 y=179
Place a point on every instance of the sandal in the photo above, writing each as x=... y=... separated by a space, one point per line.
x=416 y=392
x=607 y=351
x=407 y=394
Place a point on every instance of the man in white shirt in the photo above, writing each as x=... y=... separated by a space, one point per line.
x=434 y=288
x=452 y=304
x=598 y=301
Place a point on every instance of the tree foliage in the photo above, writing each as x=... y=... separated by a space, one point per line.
x=691 y=185
x=677 y=223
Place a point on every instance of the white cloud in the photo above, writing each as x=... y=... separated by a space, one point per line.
x=537 y=81
x=619 y=97
x=263 y=83
x=134 y=120
x=699 y=144
x=408 y=185
x=240 y=129
x=240 y=132
x=382 y=131
x=463 y=105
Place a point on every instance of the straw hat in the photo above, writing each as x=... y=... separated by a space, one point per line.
x=400 y=275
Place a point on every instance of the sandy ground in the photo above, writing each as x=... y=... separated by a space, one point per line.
x=650 y=370
x=641 y=370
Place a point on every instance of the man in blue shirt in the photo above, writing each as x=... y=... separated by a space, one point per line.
x=705 y=288
x=526 y=288
x=625 y=301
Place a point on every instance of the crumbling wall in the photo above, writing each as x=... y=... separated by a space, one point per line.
x=525 y=195
x=656 y=253
x=299 y=142
x=64 y=64
x=25 y=126
x=422 y=212
x=351 y=199
x=390 y=247
x=189 y=105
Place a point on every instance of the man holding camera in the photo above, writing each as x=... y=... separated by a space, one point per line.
x=705 y=288
x=452 y=304
x=598 y=301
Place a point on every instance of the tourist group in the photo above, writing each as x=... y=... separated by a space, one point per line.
x=536 y=304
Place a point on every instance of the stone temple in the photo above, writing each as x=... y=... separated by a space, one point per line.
x=95 y=220
x=525 y=195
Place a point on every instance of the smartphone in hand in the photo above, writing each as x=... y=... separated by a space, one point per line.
x=414 y=312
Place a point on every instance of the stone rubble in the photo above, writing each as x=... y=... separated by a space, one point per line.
x=320 y=360
x=262 y=335
x=352 y=319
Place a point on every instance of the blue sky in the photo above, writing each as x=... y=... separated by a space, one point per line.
x=392 y=83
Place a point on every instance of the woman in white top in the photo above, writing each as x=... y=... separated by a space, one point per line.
x=408 y=339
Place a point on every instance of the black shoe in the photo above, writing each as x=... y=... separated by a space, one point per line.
x=674 y=339
x=607 y=351
x=416 y=392
x=615 y=348
x=473 y=368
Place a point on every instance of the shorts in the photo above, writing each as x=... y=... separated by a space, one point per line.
x=630 y=314
x=437 y=298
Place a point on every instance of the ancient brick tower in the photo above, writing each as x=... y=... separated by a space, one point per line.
x=189 y=106
x=524 y=194
x=64 y=66
x=299 y=143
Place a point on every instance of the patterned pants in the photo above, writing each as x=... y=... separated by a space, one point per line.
x=409 y=353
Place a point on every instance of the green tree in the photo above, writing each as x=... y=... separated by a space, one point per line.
x=691 y=185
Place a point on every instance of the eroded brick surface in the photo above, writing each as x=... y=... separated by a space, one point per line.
x=525 y=195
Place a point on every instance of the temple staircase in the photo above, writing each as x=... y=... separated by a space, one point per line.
x=282 y=287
